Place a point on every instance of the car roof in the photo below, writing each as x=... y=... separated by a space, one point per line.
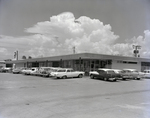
x=129 y=69
x=147 y=70
x=46 y=67
x=105 y=69
x=116 y=69
x=69 y=68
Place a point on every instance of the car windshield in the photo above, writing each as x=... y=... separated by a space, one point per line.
x=61 y=70
x=135 y=71
x=118 y=71
x=28 y=69
x=46 y=69
x=110 y=72
x=54 y=70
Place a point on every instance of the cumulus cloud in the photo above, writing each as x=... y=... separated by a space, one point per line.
x=65 y=32
x=142 y=41
x=62 y=32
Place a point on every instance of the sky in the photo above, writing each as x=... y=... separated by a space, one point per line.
x=42 y=28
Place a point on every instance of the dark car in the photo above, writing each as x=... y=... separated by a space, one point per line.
x=119 y=74
x=17 y=70
x=105 y=74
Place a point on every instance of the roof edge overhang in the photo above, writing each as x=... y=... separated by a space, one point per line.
x=82 y=56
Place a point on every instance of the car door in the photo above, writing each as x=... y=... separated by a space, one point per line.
x=101 y=74
x=147 y=73
x=125 y=74
x=135 y=74
x=69 y=73
x=74 y=73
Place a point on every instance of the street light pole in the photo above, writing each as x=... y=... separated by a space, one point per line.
x=136 y=50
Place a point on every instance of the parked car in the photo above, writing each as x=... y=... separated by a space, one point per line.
x=119 y=72
x=17 y=70
x=146 y=73
x=23 y=70
x=36 y=72
x=67 y=73
x=6 y=69
x=45 y=71
x=2 y=70
x=28 y=71
x=131 y=74
x=33 y=71
x=105 y=74
x=53 y=70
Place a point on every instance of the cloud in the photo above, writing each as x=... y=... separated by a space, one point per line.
x=142 y=41
x=62 y=32
x=65 y=32
x=3 y=50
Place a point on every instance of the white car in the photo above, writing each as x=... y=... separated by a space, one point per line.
x=46 y=71
x=131 y=74
x=29 y=71
x=147 y=73
x=25 y=70
x=33 y=71
x=67 y=73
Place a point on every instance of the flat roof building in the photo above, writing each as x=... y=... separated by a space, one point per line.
x=86 y=62
x=2 y=64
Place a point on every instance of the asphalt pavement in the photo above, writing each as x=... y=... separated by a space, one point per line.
x=23 y=96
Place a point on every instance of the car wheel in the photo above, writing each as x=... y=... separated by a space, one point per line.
x=92 y=76
x=138 y=78
x=105 y=79
x=80 y=76
x=124 y=78
x=64 y=77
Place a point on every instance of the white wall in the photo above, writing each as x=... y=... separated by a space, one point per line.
x=116 y=65
x=19 y=65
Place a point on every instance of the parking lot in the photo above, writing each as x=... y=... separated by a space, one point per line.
x=24 y=96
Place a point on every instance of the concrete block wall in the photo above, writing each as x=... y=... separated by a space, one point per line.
x=116 y=65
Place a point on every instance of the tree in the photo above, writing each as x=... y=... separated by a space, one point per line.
x=29 y=57
x=23 y=57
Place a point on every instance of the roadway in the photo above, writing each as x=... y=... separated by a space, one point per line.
x=24 y=96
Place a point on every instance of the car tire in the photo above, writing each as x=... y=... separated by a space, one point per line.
x=64 y=77
x=138 y=78
x=123 y=78
x=92 y=76
x=80 y=75
x=105 y=79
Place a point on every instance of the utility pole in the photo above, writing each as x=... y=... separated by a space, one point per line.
x=17 y=54
x=136 y=50
x=74 y=49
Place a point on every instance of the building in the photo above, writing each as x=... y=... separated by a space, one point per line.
x=2 y=64
x=86 y=62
